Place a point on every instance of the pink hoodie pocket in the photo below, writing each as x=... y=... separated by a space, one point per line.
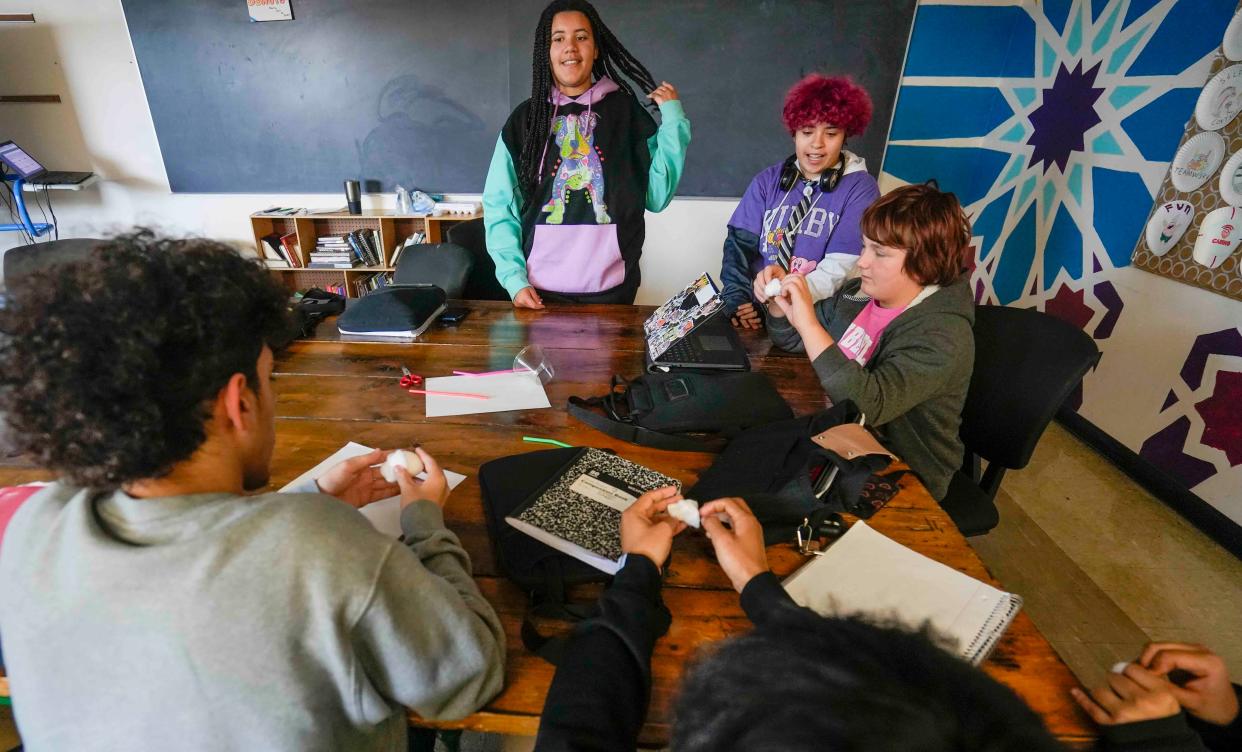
x=575 y=258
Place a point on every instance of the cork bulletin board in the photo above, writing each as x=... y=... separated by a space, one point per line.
x=1194 y=232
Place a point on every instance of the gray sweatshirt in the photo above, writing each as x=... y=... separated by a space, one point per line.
x=913 y=388
x=219 y=622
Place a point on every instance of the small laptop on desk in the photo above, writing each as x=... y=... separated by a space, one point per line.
x=690 y=331
x=29 y=169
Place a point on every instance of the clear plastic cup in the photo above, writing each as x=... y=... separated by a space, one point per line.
x=533 y=358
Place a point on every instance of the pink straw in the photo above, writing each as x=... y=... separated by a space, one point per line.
x=449 y=394
x=489 y=373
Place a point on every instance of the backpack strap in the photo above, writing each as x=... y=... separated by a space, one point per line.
x=623 y=427
x=551 y=604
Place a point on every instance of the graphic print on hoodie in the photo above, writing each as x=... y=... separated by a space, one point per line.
x=584 y=230
x=579 y=169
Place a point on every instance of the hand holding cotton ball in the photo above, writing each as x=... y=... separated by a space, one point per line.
x=772 y=288
x=686 y=510
x=400 y=458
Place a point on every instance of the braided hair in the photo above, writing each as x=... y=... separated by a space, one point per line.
x=614 y=61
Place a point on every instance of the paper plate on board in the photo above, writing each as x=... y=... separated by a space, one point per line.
x=1220 y=99
x=1231 y=180
x=1167 y=225
x=1219 y=236
x=1231 y=45
x=1197 y=160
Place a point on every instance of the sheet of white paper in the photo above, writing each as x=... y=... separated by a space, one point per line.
x=384 y=514
x=505 y=391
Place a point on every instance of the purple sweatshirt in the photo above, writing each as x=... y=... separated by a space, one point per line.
x=829 y=238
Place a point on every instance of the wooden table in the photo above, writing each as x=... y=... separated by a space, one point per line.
x=331 y=391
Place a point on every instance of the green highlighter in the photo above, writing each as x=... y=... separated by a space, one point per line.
x=553 y=442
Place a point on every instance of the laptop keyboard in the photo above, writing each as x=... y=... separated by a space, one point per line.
x=682 y=351
x=59 y=177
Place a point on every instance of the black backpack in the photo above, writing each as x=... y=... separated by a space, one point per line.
x=654 y=408
x=540 y=570
x=775 y=467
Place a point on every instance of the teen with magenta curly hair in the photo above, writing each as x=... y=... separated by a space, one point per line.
x=805 y=208
x=897 y=340
x=577 y=164
x=143 y=378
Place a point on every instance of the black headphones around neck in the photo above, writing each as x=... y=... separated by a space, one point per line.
x=828 y=179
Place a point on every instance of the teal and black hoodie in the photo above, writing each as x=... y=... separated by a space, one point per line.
x=604 y=164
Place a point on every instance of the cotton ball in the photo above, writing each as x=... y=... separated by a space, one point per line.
x=412 y=463
x=1120 y=668
x=686 y=510
x=772 y=288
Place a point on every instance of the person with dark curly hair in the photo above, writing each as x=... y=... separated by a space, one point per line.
x=801 y=215
x=146 y=600
x=578 y=164
x=798 y=682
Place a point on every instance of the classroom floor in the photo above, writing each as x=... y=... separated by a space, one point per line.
x=1103 y=566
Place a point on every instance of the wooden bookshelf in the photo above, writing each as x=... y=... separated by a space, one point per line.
x=392 y=228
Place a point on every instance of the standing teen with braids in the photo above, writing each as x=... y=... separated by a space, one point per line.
x=577 y=164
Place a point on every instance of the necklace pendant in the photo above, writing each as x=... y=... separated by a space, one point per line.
x=807 y=190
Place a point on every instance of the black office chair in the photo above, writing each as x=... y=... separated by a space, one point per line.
x=1026 y=364
x=22 y=260
x=444 y=265
x=482 y=284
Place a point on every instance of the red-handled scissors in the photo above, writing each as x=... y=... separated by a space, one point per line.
x=410 y=379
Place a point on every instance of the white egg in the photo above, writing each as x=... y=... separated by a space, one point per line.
x=412 y=463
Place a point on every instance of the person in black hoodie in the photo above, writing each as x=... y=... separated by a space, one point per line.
x=798 y=682
x=1174 y=697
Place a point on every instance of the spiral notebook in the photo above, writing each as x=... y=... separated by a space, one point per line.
x=869 y=574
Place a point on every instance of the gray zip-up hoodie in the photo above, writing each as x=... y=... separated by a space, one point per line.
x=914 y=386
x=220 y=622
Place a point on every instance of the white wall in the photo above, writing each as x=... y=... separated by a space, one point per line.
x=80 y=49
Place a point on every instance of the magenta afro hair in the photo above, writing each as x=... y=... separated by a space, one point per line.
x=837 y=101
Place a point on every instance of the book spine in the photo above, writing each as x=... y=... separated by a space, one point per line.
x=371 y=241
x=292 y=253
x=355 y=243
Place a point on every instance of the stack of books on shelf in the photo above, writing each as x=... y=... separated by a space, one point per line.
x=337 y=288
x=284 y=251
x=370 y=282
x=333 y=252
x=414 y=239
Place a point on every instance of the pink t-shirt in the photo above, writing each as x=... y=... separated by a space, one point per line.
x=858 y=342
x=11 y=498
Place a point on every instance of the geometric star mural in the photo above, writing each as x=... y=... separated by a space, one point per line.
x=1054 y=123
x=1043 y=117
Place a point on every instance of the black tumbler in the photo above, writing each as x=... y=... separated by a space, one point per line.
x=353 y=196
